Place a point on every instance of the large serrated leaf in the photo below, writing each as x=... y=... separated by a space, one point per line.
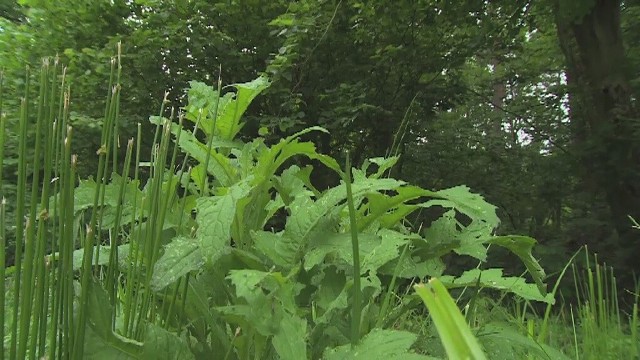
x=181 y=256
x=103 y=257
x=468 y=203
x=375 y=249
x=215 y=217
x=270 y=160
x=306 y=214
x=378 y=345
x=384 y=164
x=493 y=278
x=414 y=267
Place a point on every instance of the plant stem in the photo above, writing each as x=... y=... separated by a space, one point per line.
x=357 y=291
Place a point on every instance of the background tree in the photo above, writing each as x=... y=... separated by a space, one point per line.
x=603 y=107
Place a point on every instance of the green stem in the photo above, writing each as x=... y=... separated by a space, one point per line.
x=357 y=291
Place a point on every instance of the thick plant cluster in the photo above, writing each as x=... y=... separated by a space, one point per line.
x=189 y=265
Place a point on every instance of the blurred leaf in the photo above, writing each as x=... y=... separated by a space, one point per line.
x=377 y=345
x=161 y=344
x=453 y=330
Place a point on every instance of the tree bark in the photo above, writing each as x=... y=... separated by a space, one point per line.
x=603 y=109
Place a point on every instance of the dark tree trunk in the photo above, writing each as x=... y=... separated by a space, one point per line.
x=603 y=112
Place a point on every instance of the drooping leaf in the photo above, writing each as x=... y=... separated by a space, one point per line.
x=85 y=192
x=270 y=160
x=493 y=278
x=181 y=256
x=468 y=203
x=334 y=294
x=104 y=254
x=414 y=267
x=331 y=295
x=306 y=213
x=377 y=345
x=472 y=239
x=99 y=310
x=522 y=246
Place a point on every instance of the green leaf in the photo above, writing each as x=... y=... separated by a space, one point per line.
x=100 y=341
x=493 y=278
x=219 y=166
x=85 y=192
x=375 y=249
x=332 y=295
x=215 y=217
x=453 y=330
x=161 y=344
x=270 y=160
x=522 y=246
x=104 y=254
x=290 y=341
x=99 y=309
x=384 y=164
x=247 y=283
x=306 y=214
x=507 y=336
x=228 y=122
x=382 y=204
x=468 y=203
x=114 y=347
x=472 y=239
x=414 y=267
x=281 y=250
x=377 y=345
x=181 y=256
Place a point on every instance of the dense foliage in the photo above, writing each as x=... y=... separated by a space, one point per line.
x=532 y=105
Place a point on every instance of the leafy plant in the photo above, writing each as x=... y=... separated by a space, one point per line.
x=297 y=279
x=270 y=267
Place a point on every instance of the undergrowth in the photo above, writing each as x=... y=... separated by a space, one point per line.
x=186 y=264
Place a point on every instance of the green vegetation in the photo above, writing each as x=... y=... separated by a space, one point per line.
x=285 y=211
